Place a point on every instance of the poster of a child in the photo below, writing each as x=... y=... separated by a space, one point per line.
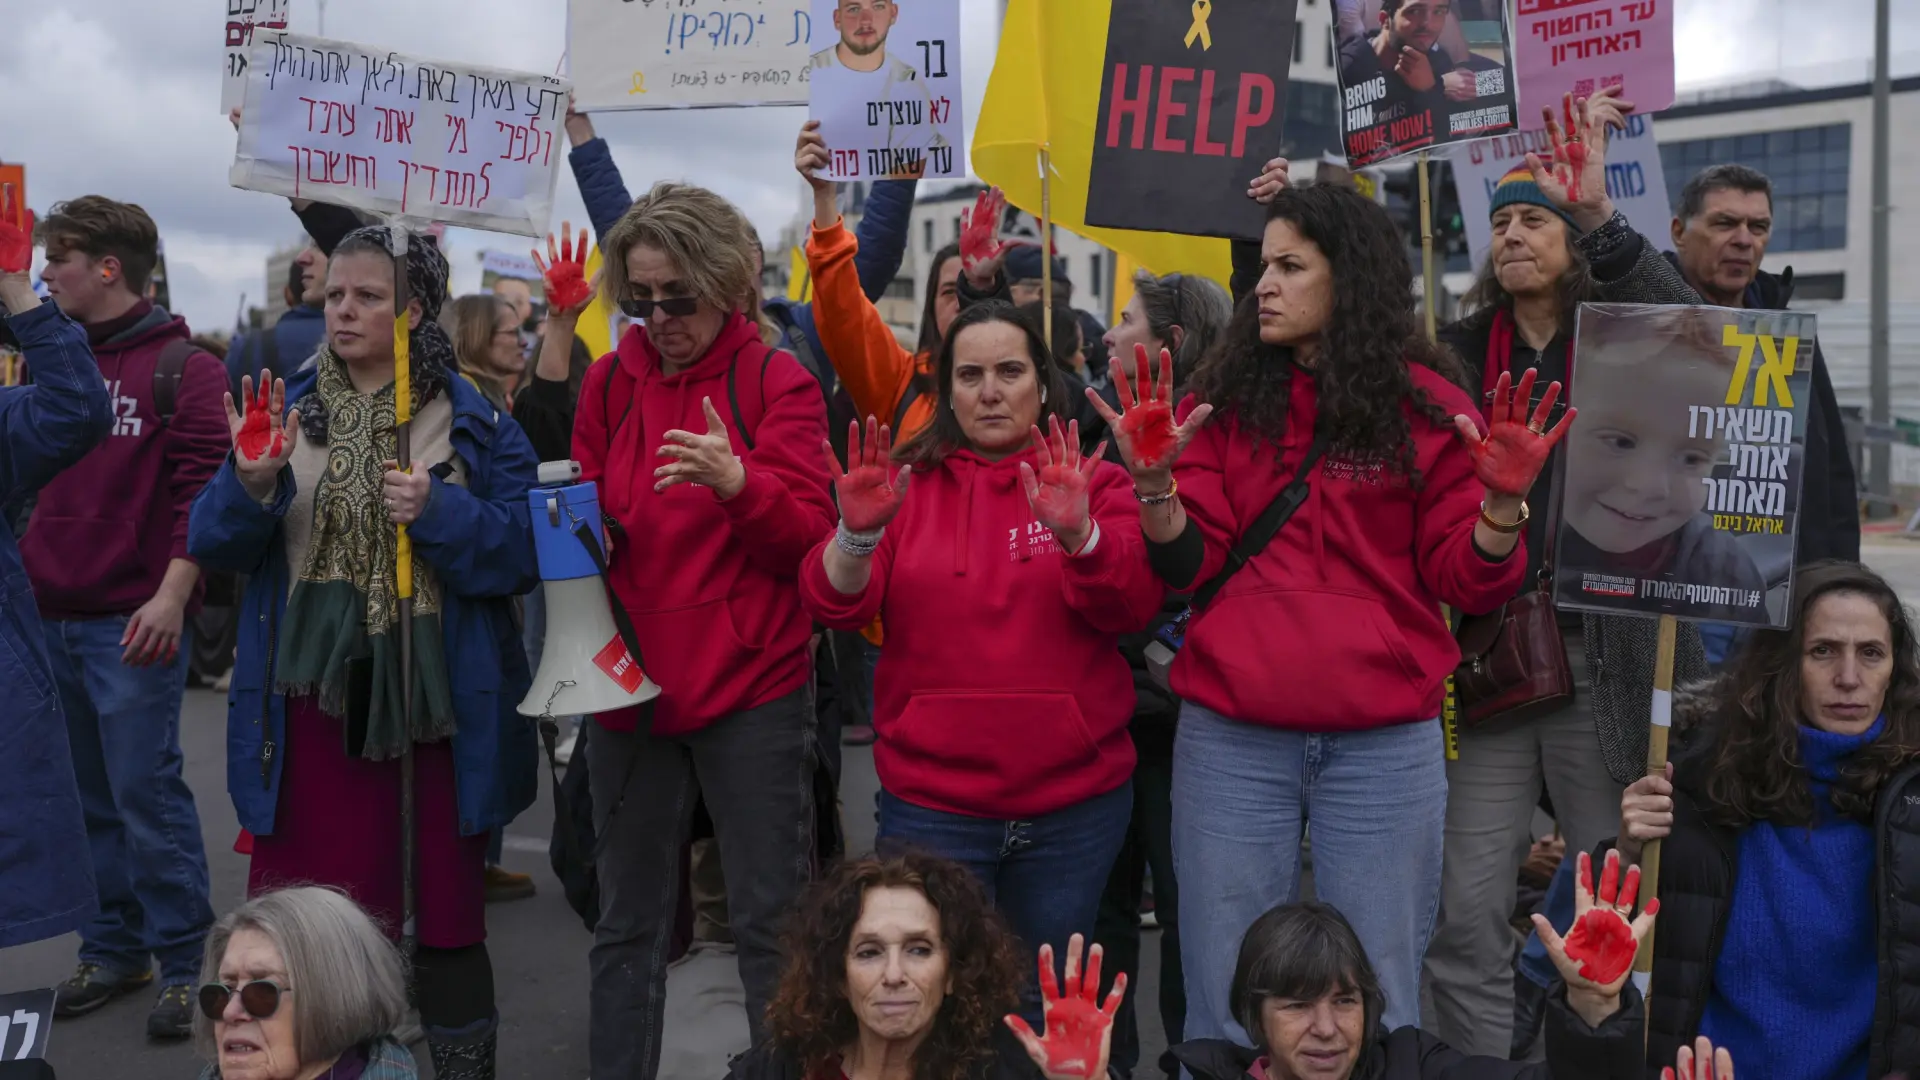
x=1683 y=471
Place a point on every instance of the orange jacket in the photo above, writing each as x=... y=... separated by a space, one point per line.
x=871 y=363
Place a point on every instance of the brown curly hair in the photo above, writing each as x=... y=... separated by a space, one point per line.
x=1752 y=758
x=810 y=1018
x=1370 y=340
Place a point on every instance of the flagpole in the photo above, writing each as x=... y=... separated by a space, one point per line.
x=1450 y=703
x=403 y=583
x=1657 y=730
x=1046 y=246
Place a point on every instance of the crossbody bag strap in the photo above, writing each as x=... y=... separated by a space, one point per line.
x=583 y=531
x=1267 y=525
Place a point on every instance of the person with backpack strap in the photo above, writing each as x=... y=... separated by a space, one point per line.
x=705 y=445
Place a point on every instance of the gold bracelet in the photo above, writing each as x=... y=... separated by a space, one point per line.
x=1161 y=499
x=1504 y=526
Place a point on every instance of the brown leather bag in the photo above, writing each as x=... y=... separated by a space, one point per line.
x=1513 y=662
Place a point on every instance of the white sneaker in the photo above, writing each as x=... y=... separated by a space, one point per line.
x=563 y=751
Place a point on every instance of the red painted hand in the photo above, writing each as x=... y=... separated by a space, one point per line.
x=566 y=271
x=871 y=494
x=980 y=245
x=1702 y=1062
x=16 y=245
x=1079 y=1030
x=1595 y=956
x=1574 y=177
x=1149 y=438
x=261 y=447
x=259 y=436
x=1510 y=456
x=1058 y=494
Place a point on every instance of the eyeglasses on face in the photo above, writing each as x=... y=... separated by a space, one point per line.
x=680 y=307
x=261 y=998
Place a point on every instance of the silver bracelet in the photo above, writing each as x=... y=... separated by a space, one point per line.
x=858 y=545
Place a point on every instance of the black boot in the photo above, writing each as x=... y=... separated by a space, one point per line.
x=464 y=1053
x=1529 y=1009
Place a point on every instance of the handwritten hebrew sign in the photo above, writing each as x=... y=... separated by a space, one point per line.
x=1581 y=46
x=885 y=82
x=243 y=18
x=1636 y=182
x=26 y=1022
x=420 y=139
x=677 y=54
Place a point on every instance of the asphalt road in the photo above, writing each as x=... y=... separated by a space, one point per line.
x=539 y=947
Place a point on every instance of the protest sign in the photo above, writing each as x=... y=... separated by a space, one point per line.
x=243 y=18
x=885 y=82
x=420 y=139
x=26 y=1025
x=505 y=264
x=1582 y=46
x=1636 y=182
x=1416 y=77
x=1683 y=469
x=682 y=54
x=1192 y=100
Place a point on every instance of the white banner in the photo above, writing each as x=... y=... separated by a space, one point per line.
x=418 y=139
x=1635 y=181
x=509 y=265
x=243 y=17
x=885 y=83
x=677 y=54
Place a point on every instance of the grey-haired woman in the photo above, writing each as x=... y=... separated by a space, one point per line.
x=299 y=984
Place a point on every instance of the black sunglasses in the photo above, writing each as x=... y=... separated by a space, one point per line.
x=680 y=307
x=261 y=998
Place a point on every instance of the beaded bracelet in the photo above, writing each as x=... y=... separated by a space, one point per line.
x=858 y=545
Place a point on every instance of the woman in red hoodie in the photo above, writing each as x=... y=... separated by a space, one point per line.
x=1005 y=582
x=704 y=443
x=1313 y=677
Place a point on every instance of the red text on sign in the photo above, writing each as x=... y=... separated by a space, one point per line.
x=1253 y=108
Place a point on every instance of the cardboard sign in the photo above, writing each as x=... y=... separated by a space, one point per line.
x=1192 y=100
x=677 y=54
x=26 y=1023
x=884 y=79
x=1683 y=470
x=1403 y=89
x=243 y=18
x=1636 y=181
x=421 y=139
x=1581 y=46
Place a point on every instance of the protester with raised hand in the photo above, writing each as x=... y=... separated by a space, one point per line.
x=1307 y=993
x=1521 y=319
x=1789 y=861
x=704 y=443
x=1326 y=403
x=307 y=506
x=1025 y=558
x=44 y=428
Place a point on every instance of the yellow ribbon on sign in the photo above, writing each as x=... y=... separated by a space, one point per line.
x=1201 y=9
x=639 y=83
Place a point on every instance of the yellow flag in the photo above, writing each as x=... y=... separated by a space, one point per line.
x=1045 y=91
x=1123 y=268
x=596 y=323
x=799 y=283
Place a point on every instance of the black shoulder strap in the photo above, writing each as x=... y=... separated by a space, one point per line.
x=270 y=351
x=606 y=404
x=167 y=373
x=1267 y=525
x=733 y=392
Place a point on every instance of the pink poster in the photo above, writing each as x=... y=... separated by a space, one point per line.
x=1584 y=45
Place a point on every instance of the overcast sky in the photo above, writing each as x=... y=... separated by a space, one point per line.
x=120 y=98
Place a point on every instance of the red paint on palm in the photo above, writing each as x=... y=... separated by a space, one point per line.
x=259 y=435
x=1602 y=944
x=1058 y=489
x=1147 y=431
x=16 y=244
x=1508 y=459
x=980 y=241
x=1076 y=1024
x=870 y=492
x=566 y=285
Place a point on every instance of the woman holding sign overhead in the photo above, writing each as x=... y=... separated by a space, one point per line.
x=306 y=506
x=1344 y=491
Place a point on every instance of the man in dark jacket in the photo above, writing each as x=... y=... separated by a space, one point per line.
x=106 y=550
x=44 y=890
x=287 y=344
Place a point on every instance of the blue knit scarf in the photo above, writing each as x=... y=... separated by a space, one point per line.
x=1793 y=989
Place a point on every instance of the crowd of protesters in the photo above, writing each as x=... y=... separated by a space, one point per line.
x=1183 y=617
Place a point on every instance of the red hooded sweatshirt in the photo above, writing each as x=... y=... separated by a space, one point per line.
x=1002 y=692
x=709 y=584
x=1336 y=625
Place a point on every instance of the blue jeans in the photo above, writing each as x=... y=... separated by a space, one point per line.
x=144 y=833
x=1558 y=908
x=1243 y=796
x=1045 y=875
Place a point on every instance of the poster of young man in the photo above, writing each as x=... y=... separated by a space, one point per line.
x=885 y=84
x=1192 y=99
x=1683 y=469
x=1416 y=74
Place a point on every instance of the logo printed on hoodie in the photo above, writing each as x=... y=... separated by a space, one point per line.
x=124 y=420
x=1039 y=541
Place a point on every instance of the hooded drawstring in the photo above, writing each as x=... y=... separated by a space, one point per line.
x=963 y=538
x=1003 y=476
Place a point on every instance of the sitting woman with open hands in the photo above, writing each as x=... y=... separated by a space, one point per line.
x=898 y=966
x=1006 y=579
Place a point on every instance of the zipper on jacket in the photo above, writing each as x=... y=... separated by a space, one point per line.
x=266 y=693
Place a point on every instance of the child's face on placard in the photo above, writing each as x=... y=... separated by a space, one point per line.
x=1633 y=474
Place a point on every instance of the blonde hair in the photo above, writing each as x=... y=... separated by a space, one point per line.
x=470 y=322
x=698 y=231
x=770 y=334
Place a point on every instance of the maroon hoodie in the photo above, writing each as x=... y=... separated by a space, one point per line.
x=103 y=532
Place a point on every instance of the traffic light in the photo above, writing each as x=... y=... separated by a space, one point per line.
x=1449 y=226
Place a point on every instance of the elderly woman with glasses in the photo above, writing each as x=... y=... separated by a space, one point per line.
x=706 y=445
x=299 y=984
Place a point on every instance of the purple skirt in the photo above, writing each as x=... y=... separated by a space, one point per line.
x=338 y=824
